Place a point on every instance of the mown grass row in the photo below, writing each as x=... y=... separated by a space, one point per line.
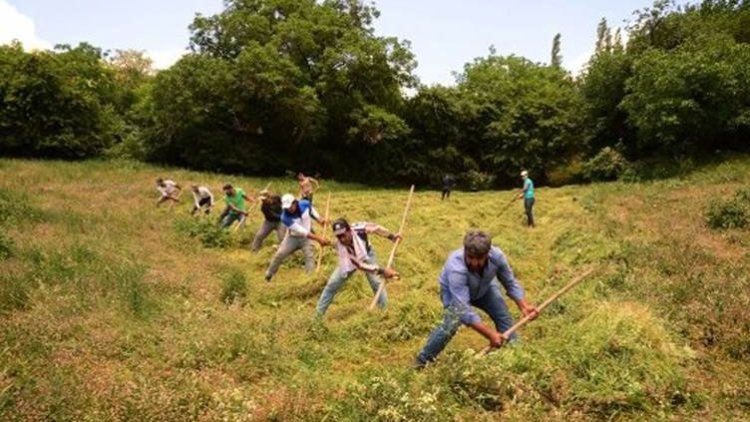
x=115 y=310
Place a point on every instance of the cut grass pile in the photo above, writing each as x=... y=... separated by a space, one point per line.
x=113 y=309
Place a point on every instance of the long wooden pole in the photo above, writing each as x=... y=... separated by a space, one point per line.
x=523 y=321
x=325 y=226
x=393 y=250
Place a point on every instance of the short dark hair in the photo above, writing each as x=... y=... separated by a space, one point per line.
x=227 y=186
x=477 y=242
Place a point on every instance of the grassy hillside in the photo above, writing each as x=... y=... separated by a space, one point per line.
x=110 y=310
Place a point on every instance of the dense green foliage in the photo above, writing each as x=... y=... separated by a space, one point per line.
x=284 y=85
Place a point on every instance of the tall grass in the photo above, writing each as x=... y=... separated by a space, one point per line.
x=113 y=309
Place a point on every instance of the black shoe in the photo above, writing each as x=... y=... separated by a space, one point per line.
x=268 y=278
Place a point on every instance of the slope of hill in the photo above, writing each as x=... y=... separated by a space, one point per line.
x=110 y=310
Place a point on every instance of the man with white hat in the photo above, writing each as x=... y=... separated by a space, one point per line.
x=356 y=253
x=297 y=216
x=270 y=206
x=527 y=193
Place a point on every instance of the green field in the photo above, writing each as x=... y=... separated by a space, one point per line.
x=111 y=310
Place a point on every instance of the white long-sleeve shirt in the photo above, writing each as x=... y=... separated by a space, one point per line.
x=203 y=193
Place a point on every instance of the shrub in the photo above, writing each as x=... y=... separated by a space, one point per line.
x=730 y=214
x=207 y=231
x=607 y=164
x=234 y=287
x=477 y=180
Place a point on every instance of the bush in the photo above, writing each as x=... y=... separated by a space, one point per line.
x=234 y=287
x=477 y=180
x=607 y=164
x=730 y=214
x=207 y=231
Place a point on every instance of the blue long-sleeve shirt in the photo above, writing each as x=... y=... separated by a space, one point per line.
x=459 y=286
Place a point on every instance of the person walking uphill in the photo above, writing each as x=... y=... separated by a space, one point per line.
x=271 y=208
x=356 y=253
x=235 y=211
x=528 y=197
x=470 y=278
x=297 y=216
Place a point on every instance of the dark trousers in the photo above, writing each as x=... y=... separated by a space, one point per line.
x=528 y=205
x=446 y=193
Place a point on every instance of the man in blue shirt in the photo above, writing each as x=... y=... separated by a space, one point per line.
x=527 y=193
x=470 y=278
x=297 y=216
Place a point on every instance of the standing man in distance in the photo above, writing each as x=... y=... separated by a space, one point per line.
x=527 y=193
x=448 y=182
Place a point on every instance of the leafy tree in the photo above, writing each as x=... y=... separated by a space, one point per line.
x=56 y=103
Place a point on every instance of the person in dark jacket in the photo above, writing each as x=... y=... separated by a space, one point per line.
x=448 y=182
x=270 y=206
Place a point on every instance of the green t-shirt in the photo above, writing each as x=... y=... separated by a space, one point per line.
x=237 y=200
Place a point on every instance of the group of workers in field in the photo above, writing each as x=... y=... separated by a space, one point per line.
x=471 y=276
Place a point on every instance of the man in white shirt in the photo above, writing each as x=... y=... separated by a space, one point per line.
x=355 y=253
x=168 y=190
x=297 y=216
x=202 y=198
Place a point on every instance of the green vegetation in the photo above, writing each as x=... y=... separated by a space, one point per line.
x=733 y=213
x=110 y=310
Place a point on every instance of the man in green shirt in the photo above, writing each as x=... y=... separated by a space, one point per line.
x=236 y=210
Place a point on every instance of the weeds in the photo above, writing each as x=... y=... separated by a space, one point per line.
x=730 y=214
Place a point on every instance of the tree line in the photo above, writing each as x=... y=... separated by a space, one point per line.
x=277 y=85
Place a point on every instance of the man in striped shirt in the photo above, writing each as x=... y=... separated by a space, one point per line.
x=297 y=216
x=356 y=253
x=470 y=278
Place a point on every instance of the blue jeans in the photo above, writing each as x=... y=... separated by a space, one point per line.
x=492 y=303
x=230 y=218
x=337 y=279
x=528 y=205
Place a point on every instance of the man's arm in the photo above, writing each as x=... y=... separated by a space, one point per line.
x=314 y=182
x=319 y=239
x=514 y=289
x=381 y=231
x=370 y=268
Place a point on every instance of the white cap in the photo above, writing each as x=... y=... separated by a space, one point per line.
x=287 y=200
x=524 y=173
